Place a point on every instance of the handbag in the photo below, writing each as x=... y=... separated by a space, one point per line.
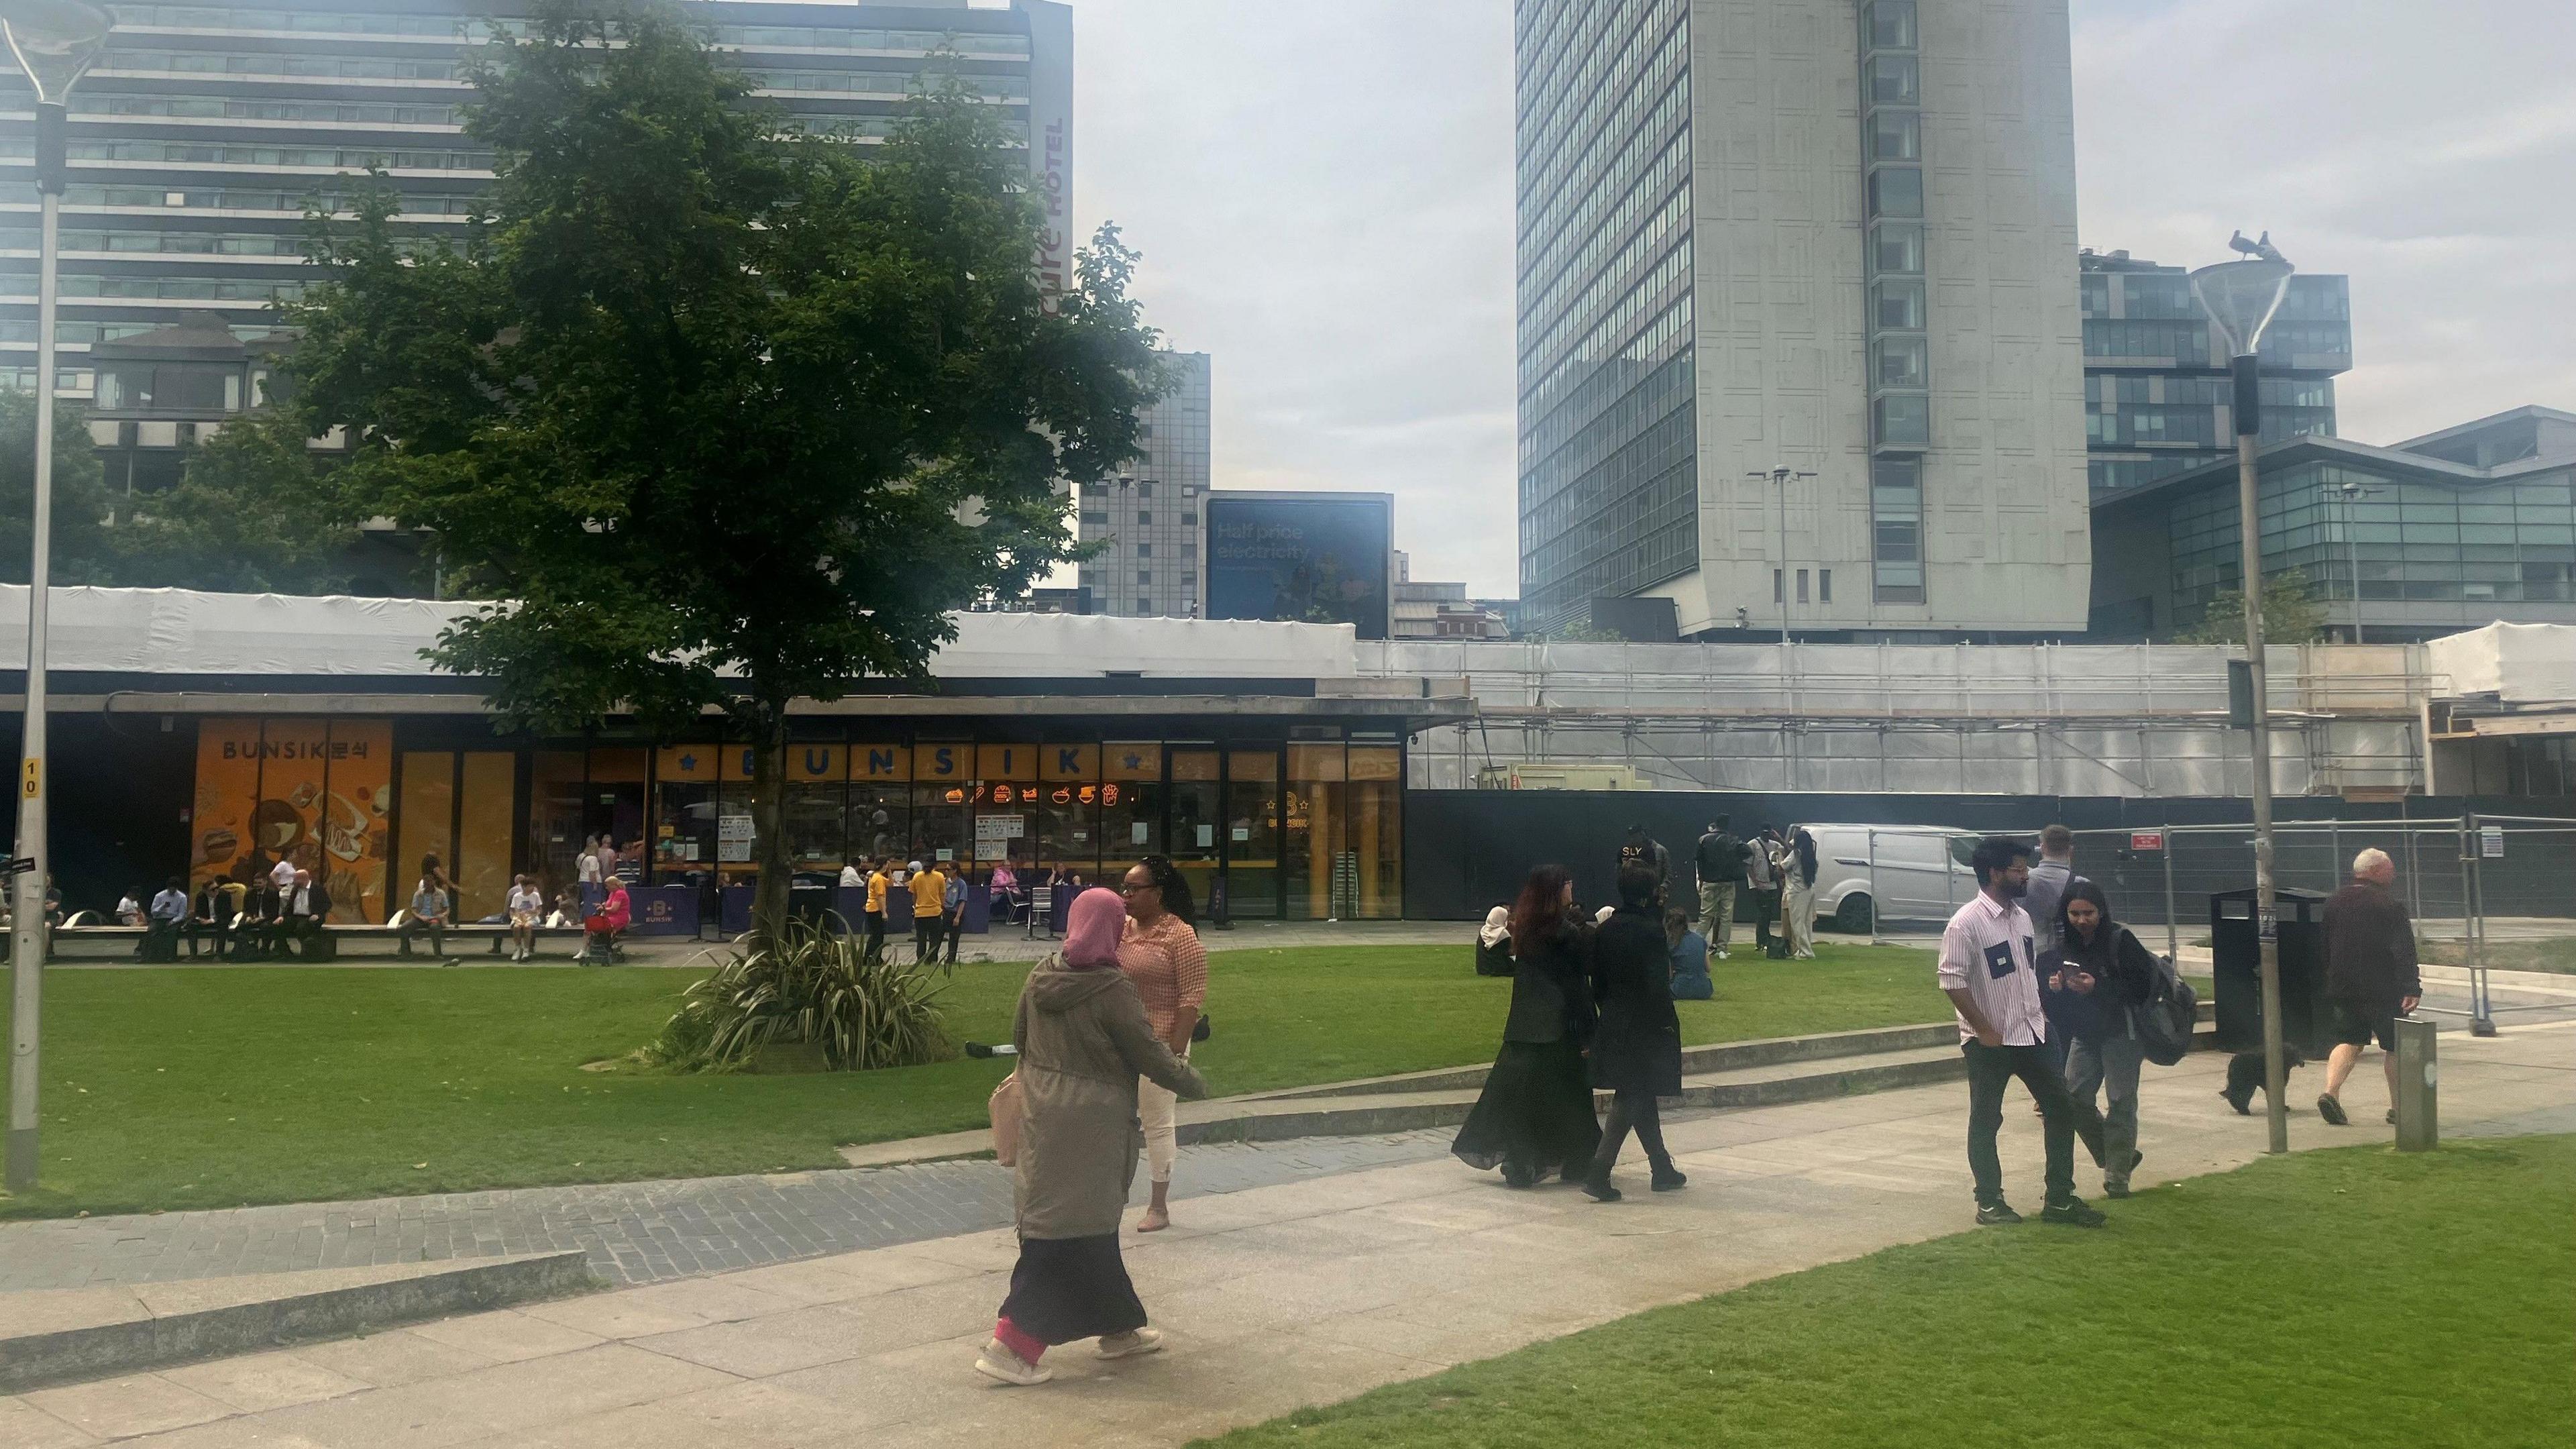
x=1004 y=1109
x=1203 y=1030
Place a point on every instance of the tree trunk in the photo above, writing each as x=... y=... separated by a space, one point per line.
x=769 y=826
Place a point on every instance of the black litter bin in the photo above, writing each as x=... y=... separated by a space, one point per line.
x=2237 y=956
x=811 y=899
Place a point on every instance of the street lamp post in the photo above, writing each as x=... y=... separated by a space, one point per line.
x=1780 y=477
x=2240 y=298
x=53 y=41
x=2350 y=495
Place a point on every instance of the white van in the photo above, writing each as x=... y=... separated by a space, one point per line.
x=1921 y=874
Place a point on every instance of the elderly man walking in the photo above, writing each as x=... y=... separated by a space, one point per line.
x=2371 y=978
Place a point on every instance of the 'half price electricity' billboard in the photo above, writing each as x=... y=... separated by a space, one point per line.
x=1303 y=558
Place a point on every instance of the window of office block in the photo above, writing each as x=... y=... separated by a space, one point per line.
x=1891 y=25
x=1902 y=418
x=1896 y=530
x=1896 y=191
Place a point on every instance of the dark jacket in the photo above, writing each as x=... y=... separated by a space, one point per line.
x=1638 y=1046
x=2124 y=973
x=2370 y=950
x=261 y=904
x=1720 y=858
x=317 y=902
x=1650 y=854
x=1552 y=988
x=211 y=906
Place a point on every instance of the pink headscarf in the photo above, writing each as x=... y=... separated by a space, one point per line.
x=1091 y=931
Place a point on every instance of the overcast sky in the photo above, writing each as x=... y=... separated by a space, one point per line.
x=1323 y=193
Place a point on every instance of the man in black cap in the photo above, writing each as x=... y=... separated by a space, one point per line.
x=1720 y=859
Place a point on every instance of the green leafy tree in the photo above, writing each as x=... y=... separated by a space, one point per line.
x=251 y=514
x=2292 y=614
x=718 y=414
x=82 y=550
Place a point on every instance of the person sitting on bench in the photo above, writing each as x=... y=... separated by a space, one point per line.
x=300 y=915
x=431 y=907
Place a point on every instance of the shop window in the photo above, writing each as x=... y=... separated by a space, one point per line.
x=316 y=792
x=1131 y=806
x=1252 y=833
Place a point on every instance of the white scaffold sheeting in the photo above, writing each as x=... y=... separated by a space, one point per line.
x=2517 y=663
x=182 y=632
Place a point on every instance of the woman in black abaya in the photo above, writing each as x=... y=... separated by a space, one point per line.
x=1535 y=1114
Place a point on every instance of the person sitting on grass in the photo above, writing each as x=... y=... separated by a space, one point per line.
x=1690 y=959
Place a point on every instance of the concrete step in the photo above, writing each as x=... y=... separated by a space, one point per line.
x=63 y=1335
x=1759 y=1073
x=1724 y=1056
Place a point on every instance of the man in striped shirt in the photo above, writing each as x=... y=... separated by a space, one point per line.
x=1991 y=975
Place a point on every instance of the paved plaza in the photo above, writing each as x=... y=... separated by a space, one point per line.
x=1301 y=1292
x=633 y=1232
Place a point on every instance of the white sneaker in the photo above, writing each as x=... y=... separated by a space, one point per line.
x=1721 y=955
x=1128 y=1345
x=997 y=1362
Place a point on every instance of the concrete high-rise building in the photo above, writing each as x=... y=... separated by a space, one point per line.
x=1831 y=237
x=2157 y=399
x=198 y=137
x=1148 y=519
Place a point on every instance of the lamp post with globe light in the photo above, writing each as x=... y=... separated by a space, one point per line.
x=53 y=41
x=2241 y=298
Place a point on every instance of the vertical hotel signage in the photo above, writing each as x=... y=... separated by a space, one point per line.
x=1051 y=138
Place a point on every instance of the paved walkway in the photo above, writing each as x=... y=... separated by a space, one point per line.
x=1274 y=1297
x=634 y=1232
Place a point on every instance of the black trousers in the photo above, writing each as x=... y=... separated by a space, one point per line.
x=2064 y=1119
x=954 y=927
x=1631 y=1110
x=876 y=936
x=926 y=934
x=219 y=932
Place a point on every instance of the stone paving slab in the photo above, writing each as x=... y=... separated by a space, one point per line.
x=1274 y=1298
x=636 y=1232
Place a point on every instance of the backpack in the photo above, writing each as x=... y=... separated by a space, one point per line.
x=2165 y=1024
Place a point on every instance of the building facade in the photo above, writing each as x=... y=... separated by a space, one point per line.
x=198 y=138
x=1799 y=338
x=1424 y=609
x=2451 y=531
x=1147 y=520
x=2157 y=398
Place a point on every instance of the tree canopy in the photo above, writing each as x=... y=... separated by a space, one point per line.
x=719 y=413
x=2292 y=614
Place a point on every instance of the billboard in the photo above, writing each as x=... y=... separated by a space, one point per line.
x=1305 y=558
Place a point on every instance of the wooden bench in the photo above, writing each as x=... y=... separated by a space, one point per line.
x=78 y=933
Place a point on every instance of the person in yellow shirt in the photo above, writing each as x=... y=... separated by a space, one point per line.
x=876 y=909
x=929 y=905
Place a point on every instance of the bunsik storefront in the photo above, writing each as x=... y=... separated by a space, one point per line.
x=211 y=735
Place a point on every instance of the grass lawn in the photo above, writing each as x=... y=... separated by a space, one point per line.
x=2319 y=1301
x=2543 y=955
x=212 y=1088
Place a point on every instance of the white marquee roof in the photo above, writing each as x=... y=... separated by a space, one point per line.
x=183 y=632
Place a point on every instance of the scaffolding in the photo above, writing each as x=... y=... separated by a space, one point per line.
x=2046 y=719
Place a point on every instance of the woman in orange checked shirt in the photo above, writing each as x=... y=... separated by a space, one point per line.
x=1160 y=952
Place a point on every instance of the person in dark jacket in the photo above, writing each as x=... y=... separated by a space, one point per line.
x=1719 y=859
x=2091 y=985
x=2371 y=978
x=1637 y=1048
x=1535 y=1113
x=210 y=918
x=262 y=908
x=1641 y=848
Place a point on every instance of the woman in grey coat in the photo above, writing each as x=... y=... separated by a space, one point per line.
x=1083 y=1042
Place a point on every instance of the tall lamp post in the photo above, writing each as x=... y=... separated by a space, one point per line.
x=2240 y=298
x=1780 y=477
x=53 y=41
x=2350 y=494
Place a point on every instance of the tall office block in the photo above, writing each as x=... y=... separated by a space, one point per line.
x=197 y=140
x=2157 y=398
x=1832 y=237
x=1148 y=518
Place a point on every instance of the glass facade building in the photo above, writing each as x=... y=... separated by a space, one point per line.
x=2156 y=392
x=2400 y=543
x=1607 y=503
x=204 y=131
x=1148 y=519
